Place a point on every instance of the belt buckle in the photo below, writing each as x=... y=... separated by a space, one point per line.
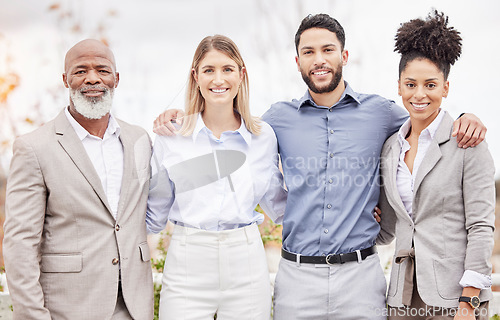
x=336 y=257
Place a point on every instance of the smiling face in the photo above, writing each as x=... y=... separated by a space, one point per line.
x=218 y=77
x=422 y=87
x=320 y=59
x=91 y=77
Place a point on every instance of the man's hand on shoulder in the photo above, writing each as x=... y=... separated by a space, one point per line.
x=163 y=124
x=469 y=130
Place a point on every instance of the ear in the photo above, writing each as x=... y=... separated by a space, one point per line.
x=117 y=77
x=399 y=87
x=297 y=62
x=446 y=89
x=345 y=56
x=195 y=75
x=65 y=80
x=242 y=73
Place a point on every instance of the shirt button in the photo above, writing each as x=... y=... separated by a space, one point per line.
x=330 y=180
x=115 y=261
x=117 y=227
x=331 y=131
x=331 y=155
x=326 y=231
x=329 y=206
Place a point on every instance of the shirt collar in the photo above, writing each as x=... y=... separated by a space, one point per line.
x=430 y=130
x=307 y=99
x=82 y=133
x=242 y=130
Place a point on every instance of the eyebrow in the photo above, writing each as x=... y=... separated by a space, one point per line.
x=430 y=79
x=101 y=66
x=224 y=66
x=323 y=46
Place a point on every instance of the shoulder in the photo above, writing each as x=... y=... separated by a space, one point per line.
x=39 y=137
x=392 y=140
x=131 y=128
x=279 y=109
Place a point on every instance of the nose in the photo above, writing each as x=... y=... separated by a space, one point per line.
x=420 y=93
x=319 y=59
x=218 y=78
x=92 y=77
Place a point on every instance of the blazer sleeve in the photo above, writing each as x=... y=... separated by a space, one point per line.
x=388 y=219
x=479 y=205
x=25 y=215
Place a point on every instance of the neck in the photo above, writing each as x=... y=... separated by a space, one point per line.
x=219 y=119
x=419 y=125
x=328 y=99
x=96 y=127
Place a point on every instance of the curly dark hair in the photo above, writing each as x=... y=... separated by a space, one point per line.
x=322 y=21
x=431 y=39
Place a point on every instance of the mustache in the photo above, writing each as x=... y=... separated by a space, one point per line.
x=321 y=68
x=93 y=88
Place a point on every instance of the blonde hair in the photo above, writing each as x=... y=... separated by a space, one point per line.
x=195 y=103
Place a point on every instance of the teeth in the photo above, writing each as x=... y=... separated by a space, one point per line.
x=320 y=73
x=420 y=106
x=218 y=90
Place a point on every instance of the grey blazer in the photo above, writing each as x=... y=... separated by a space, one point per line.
x=453 y=217
x=61 y=240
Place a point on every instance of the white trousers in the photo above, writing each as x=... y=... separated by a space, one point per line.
x=208 y=272
x=349 y=291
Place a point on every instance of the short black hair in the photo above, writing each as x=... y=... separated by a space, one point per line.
x=322 y=21
x=430 y=39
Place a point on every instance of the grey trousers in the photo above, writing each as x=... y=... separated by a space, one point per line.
x=349 y=291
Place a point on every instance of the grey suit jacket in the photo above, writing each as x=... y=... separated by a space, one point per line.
x=453 y=217
x=60 y=235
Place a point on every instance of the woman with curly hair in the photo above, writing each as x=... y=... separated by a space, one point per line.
x=437 y=198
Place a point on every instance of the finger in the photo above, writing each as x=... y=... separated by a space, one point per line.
x=377 y=217
x=482 y=136
x=463 y=136
x=456 y=127
x=473 y=139
x=466 y=139
x=377 y=210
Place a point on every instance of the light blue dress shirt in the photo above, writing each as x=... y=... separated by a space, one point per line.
x=331 y=158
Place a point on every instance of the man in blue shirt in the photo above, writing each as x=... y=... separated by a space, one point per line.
x=330 y=142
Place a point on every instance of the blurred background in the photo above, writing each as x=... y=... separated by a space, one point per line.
x=154 y=41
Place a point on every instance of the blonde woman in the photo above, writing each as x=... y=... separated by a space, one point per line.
x=207 y=180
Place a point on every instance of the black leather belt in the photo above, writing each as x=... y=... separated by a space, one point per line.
x=331 y=258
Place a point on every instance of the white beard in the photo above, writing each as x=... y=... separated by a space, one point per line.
x=92 y=108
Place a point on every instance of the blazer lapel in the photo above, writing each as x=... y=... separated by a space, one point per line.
x=433 y=154
x=392 y=189
x=128 y=167
x=69 y=141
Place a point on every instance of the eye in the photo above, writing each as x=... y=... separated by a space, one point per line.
x=104 y=71
x=208 y=70
x=307 y=52
x=431 y=85
x=79 y=72
x=228 y=69
x=410 y=85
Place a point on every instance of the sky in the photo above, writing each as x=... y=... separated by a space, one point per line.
x=154 y=41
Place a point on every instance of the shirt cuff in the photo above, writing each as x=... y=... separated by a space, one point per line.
x=475 y=279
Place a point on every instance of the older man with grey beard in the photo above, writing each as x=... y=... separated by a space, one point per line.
x=75 y=243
